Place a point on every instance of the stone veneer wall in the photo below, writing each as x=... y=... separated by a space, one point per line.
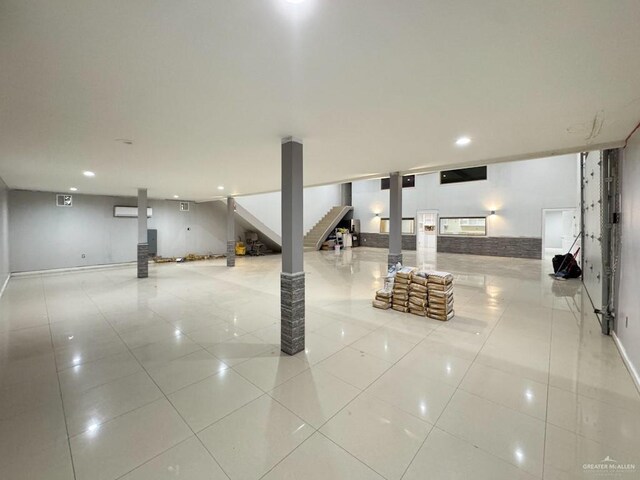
x=518 y=247
x=143 y=260
x=292 y=312
x=381 y=240
x=231 y=253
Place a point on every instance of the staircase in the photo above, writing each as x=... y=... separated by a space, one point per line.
x=314 y=238
x=250 y=223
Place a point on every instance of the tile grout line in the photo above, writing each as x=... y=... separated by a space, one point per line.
x=316 y=430
x=329 y=439
x=156 y=456
x=457 y=388
x=163 y=395
x=546 y=413
x=361 y=391
x=475 y=395
x=55 y=362
x=451 y=398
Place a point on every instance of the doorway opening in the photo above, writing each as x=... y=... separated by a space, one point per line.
x=559 y=230
x=427 y=231
x=426 y=238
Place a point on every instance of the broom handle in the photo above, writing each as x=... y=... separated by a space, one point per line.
x=570 y=248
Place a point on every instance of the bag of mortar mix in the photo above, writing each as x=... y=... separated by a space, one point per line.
x=434 y=276
x=381 y=304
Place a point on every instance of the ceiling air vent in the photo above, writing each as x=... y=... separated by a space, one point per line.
x=184 y=206
x=63 y=200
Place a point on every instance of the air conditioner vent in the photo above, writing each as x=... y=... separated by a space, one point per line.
x=63 y=200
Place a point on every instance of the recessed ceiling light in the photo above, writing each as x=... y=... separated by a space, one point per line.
x=73 y=189
x=462 y=141
x=294 y=1
x=176 y=196
x=220 y=187
x=88 y=173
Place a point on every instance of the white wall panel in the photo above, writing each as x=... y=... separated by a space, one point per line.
x=591 y=248
x=267 y=206
x=518 y=191
x=553 y=229
x=627 y=324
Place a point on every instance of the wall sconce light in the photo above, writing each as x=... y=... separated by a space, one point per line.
x=377 y=214
x=492 y=212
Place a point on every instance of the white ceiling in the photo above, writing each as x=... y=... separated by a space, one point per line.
x=206 y=88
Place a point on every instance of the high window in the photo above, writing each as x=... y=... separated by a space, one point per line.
x=465 y=226
x=463 y=175
x=408 y=181
x=408 y=226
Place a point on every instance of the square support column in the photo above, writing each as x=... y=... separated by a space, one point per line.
x=346 y=197
x=395 y=219
x=231 y=232
x=143 y=245
x=292 y=305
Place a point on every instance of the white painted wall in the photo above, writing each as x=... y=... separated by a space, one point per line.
x=553 y=228
x=47 y=237
x=627 y=326
x=4 y=233
x=317 y=202
x=570 y=228
x=518 y=191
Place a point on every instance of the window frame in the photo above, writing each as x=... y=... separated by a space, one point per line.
x=474 y=217
x=387 y=180
x=486 y=177
x=386 y=219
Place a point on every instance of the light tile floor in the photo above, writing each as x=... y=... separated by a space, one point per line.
x=179 y=376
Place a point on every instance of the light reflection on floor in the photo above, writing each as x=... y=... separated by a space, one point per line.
x=180 y=375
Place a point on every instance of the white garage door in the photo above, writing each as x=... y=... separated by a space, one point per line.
x=591 y=248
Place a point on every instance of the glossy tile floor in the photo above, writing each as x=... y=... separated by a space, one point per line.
x=179 y=376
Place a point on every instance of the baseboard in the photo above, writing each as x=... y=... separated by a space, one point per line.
x=73 y=269
x=4 y=286
x=627 y=361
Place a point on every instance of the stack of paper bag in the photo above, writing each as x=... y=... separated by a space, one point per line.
x=440 y=292
x=384 y=298
x=418 y=294
x=401 y=289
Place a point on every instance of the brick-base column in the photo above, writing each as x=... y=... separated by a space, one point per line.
x=143 y=260
x=292 y=312
x=394 y=258
x=231 y=254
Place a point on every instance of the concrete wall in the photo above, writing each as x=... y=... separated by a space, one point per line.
x=4 y=234
x=47 y=237
x=317 y=202
x=518 y=191
x=627 y=326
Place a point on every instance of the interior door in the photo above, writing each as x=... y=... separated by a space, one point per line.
x=427 y=230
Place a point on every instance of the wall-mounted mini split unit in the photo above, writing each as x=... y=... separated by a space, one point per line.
x=63 y=200
x=184 y=206
x=130 y=212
